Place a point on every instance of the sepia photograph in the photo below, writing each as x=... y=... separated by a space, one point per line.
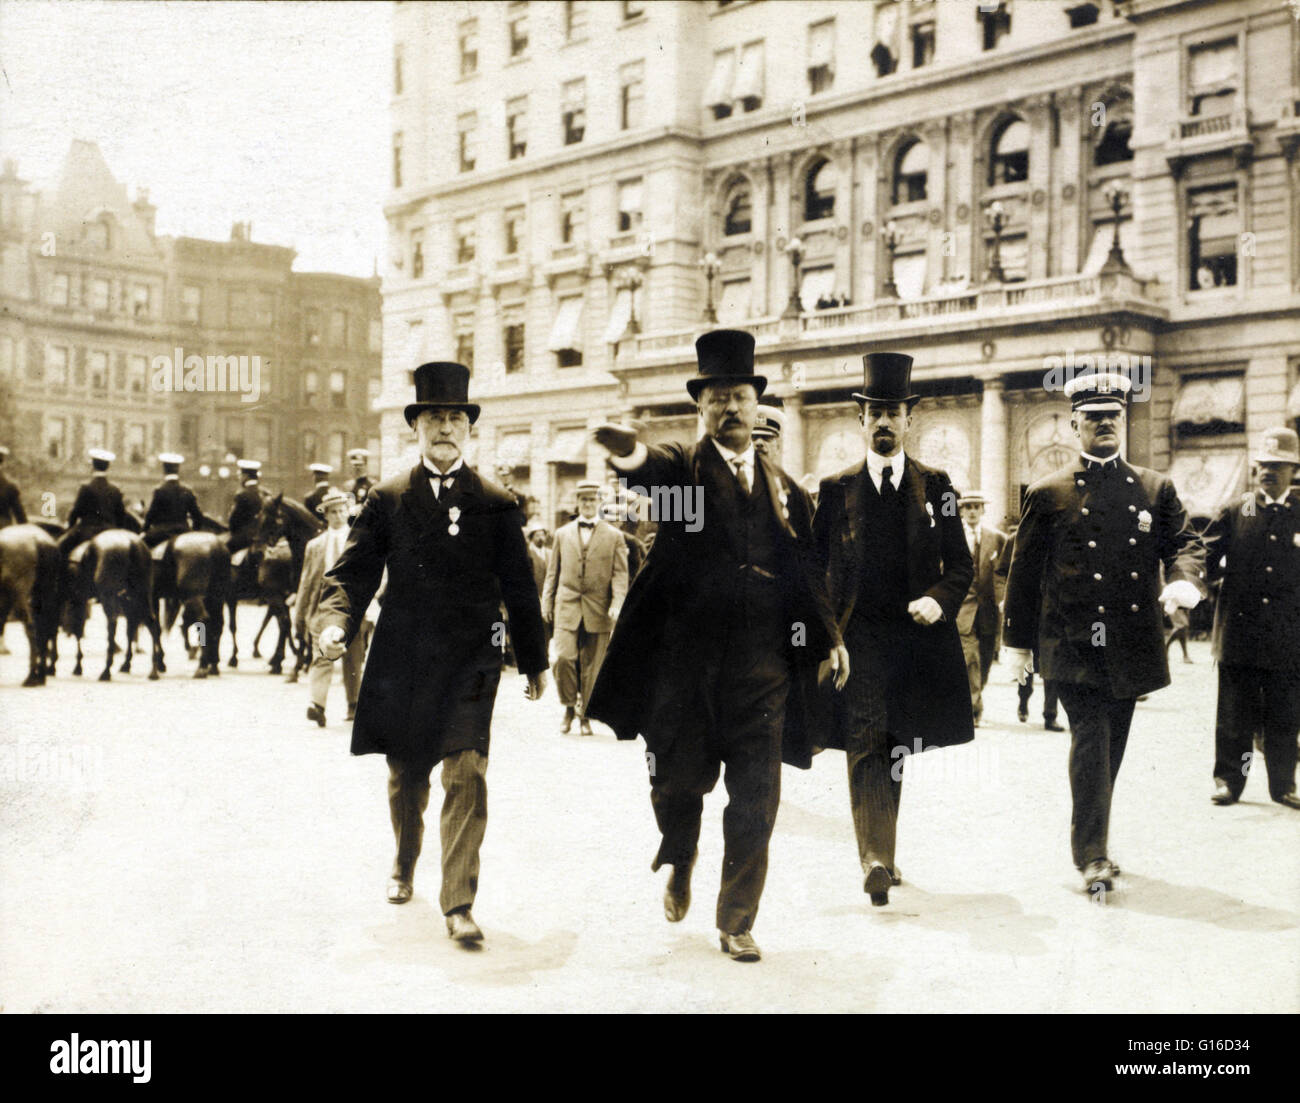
x=715 y=417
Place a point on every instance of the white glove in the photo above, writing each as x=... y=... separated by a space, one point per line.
x=331 y=642
x=1021 y=662
x=1181 y=594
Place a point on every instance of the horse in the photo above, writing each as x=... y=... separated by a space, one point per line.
x=29 y=583
x=194 y=576
x=115 y=569
x=283 y=529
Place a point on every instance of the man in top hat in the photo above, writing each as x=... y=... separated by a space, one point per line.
x=246 y=507
x=979 y=620
x=722 y=620
x=360 y=483
x=321 y=473
x=173 y=507
x=453 y=544
x=768 y=426
x=98 y=506
x=897 y=567
x=1253 y=551
x=321 y=554
x=11 y=501
x=1084 y=592
x=586 y=583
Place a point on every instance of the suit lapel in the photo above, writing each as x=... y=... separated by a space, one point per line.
x=778 y=493
x=419 y=503
x=912 y=488
x=856 y=489
x=721 y=490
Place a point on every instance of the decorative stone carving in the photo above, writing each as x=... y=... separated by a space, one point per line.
x=936 y=216
x=841 y=232
x=1040 y=197
x=758 y=248
x=1068 y=193
x=867 y=228
x=963 y=212
x=988 y=349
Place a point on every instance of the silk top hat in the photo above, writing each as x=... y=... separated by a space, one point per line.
x=1278 y=446
x=887 y=377
x=1099 y=391
x=724 y=356
x=333 y=497
x=441 y=384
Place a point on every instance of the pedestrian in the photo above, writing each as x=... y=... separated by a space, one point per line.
x=320 y=556
x=173 y=509
x=535 y=533
x=99 y=506
x=1051 y=701
x=725 y=616
x=453 y=544
x=586 y=584
x=979 y=620
x=321 y=476
x=11 y=501
x=1253 y=552
x=1084 y=594
x=897 y=567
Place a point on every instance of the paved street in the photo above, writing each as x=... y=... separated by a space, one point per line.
x=200 y=846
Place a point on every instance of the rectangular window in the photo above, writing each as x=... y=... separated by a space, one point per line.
x=513 y=340
x=337 y=447
x=260 y=438
x=417 y=254
x=1213 y=225
x=821 y=56
x=311 y=325
x=1212 y=77
x=310 y=386
x=468 y=47
x=99 y=290
x=191 y=303
x=466 y=240
x=995 y=23
x=59 y=289
x=514 y=230
x=466 y=145
x=629 y=205
x=338 y=389
x=135 y=443
x=137 y=373
x=631 y=95
x=575 y=20
x=734 y=303
x=97 y=434
x=265 y=310
x=748 y=90
x=573 y=108
x=309 y=446
x=56 y=365
x=464 y=324
x=517 y=21
x=397 y=159
x=717 y=93
x=56 y=438
x=189 y=433
x=98 y=365
x=238 y=310
x=397 y=71
x=374 y=391
x=235 y=436
x=572 y=217
x=566 y=332
x=922 y=44
x=633 y=9
x=339 y=329
x=517 y=127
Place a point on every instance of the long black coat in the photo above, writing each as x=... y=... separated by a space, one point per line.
x=435 y=659
x=99 y=506
x=1253 y=551
x=1085 y=575
x=245 y=510
x=11 y=504
x=938 y=566
x=652 y=669
x=173 y=505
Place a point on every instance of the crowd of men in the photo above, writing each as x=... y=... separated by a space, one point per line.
x=864 y=617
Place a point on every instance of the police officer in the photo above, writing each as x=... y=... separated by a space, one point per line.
x=360 y=483
x=1084 y=591
x=766 y=433
x=11 y=502
x=173 y=507
x=97 y=507
x=321 y=473
x=1253 y=545
x=246 y=507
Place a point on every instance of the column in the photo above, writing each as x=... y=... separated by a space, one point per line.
x=1070 y=193
x=865 y=229
x=961 y=193
x=842 y=156
x=935 y=137
x=1037 y=205
x=793 y=458
x=993 y=449
x=761 y=262
x=779 y=275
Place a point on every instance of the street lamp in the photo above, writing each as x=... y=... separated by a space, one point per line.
x=794 y=308
x=1115 y=196
x=629 y=279
x=710 y=263
x=892 y=238
x=996 y=217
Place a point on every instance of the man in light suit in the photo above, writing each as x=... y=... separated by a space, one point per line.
x=586 y=582
x=321 y=554
x=979 y=620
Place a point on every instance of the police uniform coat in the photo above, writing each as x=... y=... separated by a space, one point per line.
x=435 y=658
x=1084 y=583
x=359 y=488
x=172 y=509
x=11 y=504
x=244 y=512
x=99 y=506
x=676 y=609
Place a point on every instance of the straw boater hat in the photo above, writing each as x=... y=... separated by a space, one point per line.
x=333 y=497
x=972 y=497
x=1099 y=391
x=440 y=385
x=724 y=356
x=588 y=488
x=1278 y=446
x=887 y=377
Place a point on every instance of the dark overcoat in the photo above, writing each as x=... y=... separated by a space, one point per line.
x=937 y=695
x=173 y=506
x=435 y=659
x=99 y=506
x=1253 y=553
x=1084 y=584
x=11 y=504
x=244 y=512
x=680 y=605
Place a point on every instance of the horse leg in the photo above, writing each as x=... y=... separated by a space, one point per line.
x=77 y=669
x=110 y=615
x=282 y=631
x=155 y=637
x=266 y=619
x=215 y=626
x=132 y=630
x=232 y=605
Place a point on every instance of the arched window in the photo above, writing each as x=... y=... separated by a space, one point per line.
x=910 y=169
x=97 y=233
x=1114 y=145
x=739 y=210
x=1009 y=153
x=819 y=191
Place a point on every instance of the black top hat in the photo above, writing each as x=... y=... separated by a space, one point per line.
x=887 y=377
x=725 y=356
x=441 y=384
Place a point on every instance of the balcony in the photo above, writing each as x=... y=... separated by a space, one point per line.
x=1205 y=135
x=886 y=319
x=1288 y=124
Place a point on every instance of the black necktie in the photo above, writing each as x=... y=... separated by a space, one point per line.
x=443 y=481
x=887 y=488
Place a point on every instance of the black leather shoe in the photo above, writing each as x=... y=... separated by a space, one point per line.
x=1022 y=714
x=1052 y=726
x=877 y=885
x=1098 y=872
x=568 y=720
x=462 y=928
x=1223 y=795
x=399 y=891
x=315 y=712
x=584 y=727
x=1291 y=800
x=677 y=893
x=741 y=947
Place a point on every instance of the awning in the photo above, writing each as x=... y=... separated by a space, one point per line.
x=1212 y=66
x=1293 y=402
x=1201 y=401
x=821 y=45
x=718 y=91
x=886 y=25
x=620 y=314
x=909 y=275
x=565 y=331
x=514 y=450
x=1207 y=481
x=816 y=283
x=569 y=446
x=1102 y=236
x=735 y=303
x=1015 y=257
x=915 y=161
x=749 y=75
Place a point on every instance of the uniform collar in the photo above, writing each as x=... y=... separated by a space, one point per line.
x=173 y=478
x=1090 y=461
x=1266 y=500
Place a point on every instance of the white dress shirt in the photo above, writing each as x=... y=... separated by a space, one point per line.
x=334 y=541
x=744 y=459
x=876 y=465
x=434 y=482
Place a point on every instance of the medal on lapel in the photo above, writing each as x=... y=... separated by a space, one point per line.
x=929 y=508
x=1144 y=521
x=783 y=497
x=453 y=515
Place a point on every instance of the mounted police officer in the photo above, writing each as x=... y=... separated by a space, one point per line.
x=360 y=483
x=98 y=506
x=173 y=509
x=11 y=502
x=321 y=473
x=1084 y=591
x=1253 y=546
x=246 y=507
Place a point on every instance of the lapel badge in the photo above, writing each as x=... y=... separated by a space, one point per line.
x=929 y=508
x=783 y=497
x=1144 y=521
x=453 y=515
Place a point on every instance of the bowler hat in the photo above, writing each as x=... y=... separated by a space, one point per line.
x=887 y=377
x=1278 y=446
x=441 y=385
x=724 y=356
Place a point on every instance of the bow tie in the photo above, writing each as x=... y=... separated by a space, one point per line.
x=586 y=524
